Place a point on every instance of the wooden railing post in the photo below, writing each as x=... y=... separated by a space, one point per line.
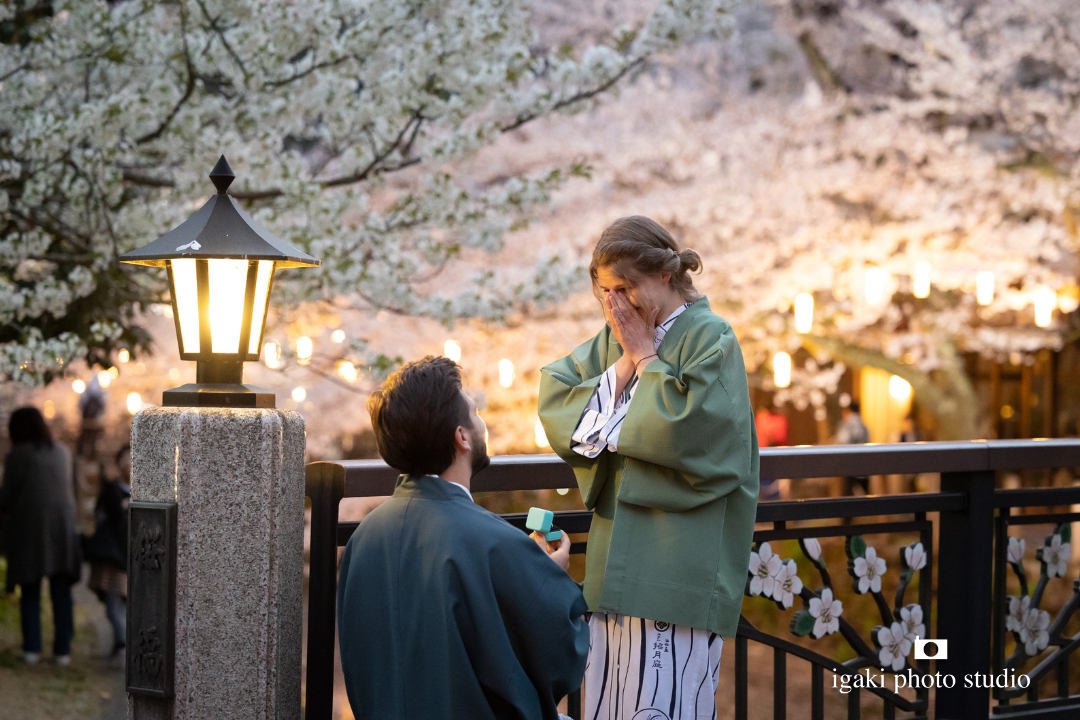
x=325 y=487
x=964 y=598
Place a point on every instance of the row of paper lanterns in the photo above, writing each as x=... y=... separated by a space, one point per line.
x=1044 y=299
x=899 y=388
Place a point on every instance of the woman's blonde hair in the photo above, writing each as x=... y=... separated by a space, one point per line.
x=636 y=246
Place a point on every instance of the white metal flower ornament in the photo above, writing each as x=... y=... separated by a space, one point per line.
x=826 y=612
x=764 y=566
x=894 y=645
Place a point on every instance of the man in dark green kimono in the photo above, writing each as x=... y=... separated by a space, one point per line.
x=444 y=609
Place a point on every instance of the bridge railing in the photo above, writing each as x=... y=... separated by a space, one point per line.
x=961 y=560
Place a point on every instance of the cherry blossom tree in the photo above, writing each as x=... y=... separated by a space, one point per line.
x=342 y=119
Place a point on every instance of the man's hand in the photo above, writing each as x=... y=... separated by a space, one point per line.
x=559 y=552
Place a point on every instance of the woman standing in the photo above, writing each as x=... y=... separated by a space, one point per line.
x=106 y=549
x=37 y=501
x=654 y=416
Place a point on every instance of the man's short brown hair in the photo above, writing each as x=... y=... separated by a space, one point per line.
x=415 y=414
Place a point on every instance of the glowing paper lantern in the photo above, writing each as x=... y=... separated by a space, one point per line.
x=347 y=371
x=506 y=373
x=299 y=394
x=920 y=282
x=1045 y=300
x=452 y=350
x=123 y=356
x=272 y=355
x=804 y=312
x=541 y=436
x=104 y=378
x=781 y=365
x=984 y=287
x=79 y=387
x=338 y=336
x=134 y=403
x=875 y=285
x=899 y=388
x=304 y=348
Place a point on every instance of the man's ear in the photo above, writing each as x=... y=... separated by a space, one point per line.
x=462 y=439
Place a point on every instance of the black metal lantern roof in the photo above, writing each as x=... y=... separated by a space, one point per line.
x=219 y=229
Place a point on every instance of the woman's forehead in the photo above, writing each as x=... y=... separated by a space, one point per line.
x=606 y=277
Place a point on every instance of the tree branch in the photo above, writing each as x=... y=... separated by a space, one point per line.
x=579 y=97
x=189 y=89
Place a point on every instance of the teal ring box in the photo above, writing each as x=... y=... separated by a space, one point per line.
x=542 y=521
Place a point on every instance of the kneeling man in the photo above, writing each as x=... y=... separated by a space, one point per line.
x=444 y=609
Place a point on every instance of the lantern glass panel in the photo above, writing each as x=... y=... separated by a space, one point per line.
x=228 y=286
x=186 y=296
x=258 y=310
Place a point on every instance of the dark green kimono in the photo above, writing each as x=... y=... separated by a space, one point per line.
x=674 y=509
x=447 y=611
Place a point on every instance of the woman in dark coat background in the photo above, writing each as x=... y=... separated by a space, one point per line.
x=37 y=505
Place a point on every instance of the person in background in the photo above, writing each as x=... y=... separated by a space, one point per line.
x=853 y=431
x=772 y=431
x=908 y=433
x=91 y=409
x=37 y=502
x=106 y=550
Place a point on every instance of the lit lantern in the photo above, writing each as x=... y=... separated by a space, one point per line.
x=875 y=285
x=1045 y=301
x=804 y=312
x=347 y=371
x=506 y=373
x=104 y=378
x=984 y=287
x=299 y=394
x=134 y=403
x=221 y=266
x=272 y=355
x=781 y=367
x=920 y=282
x=338 y=336
x=123 y=356
x=541 y=435
x=452 y=350
x=304 y=349
x=79 y=387
x=899 y=388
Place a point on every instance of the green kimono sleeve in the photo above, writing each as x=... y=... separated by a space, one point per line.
x=688 y=437
x=566 y=386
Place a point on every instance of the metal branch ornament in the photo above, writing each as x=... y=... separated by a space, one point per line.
x=221 y=266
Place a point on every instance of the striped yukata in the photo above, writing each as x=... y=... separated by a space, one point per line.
x=645 y=670
x=641 y=669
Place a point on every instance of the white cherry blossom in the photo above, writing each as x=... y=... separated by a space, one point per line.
x=915 y=556
x=1055 y=555
x=869 y=570
x=764 y=566
x=1033 y=631
x=895 y=646
x=911 y=619
x=1017 y=547
x=813 y=548
x=1017 y=612
x=826 y=613
x=787 y=584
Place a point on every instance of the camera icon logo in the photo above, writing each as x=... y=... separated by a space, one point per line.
x=939 y=648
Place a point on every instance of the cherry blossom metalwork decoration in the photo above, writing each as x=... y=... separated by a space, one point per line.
x=775 y=578
x=1030 y=625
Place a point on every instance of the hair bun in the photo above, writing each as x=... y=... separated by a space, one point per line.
x=689 y=261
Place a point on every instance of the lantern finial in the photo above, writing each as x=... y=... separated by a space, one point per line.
x=222 y=175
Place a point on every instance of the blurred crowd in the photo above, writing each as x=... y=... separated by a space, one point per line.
x=48 y=542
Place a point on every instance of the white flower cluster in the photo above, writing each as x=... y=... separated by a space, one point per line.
x=772 y=577
x=341 y=119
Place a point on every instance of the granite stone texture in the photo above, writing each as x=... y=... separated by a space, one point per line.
x=237 y=477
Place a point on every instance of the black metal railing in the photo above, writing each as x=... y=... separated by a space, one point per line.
x=973 y=552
